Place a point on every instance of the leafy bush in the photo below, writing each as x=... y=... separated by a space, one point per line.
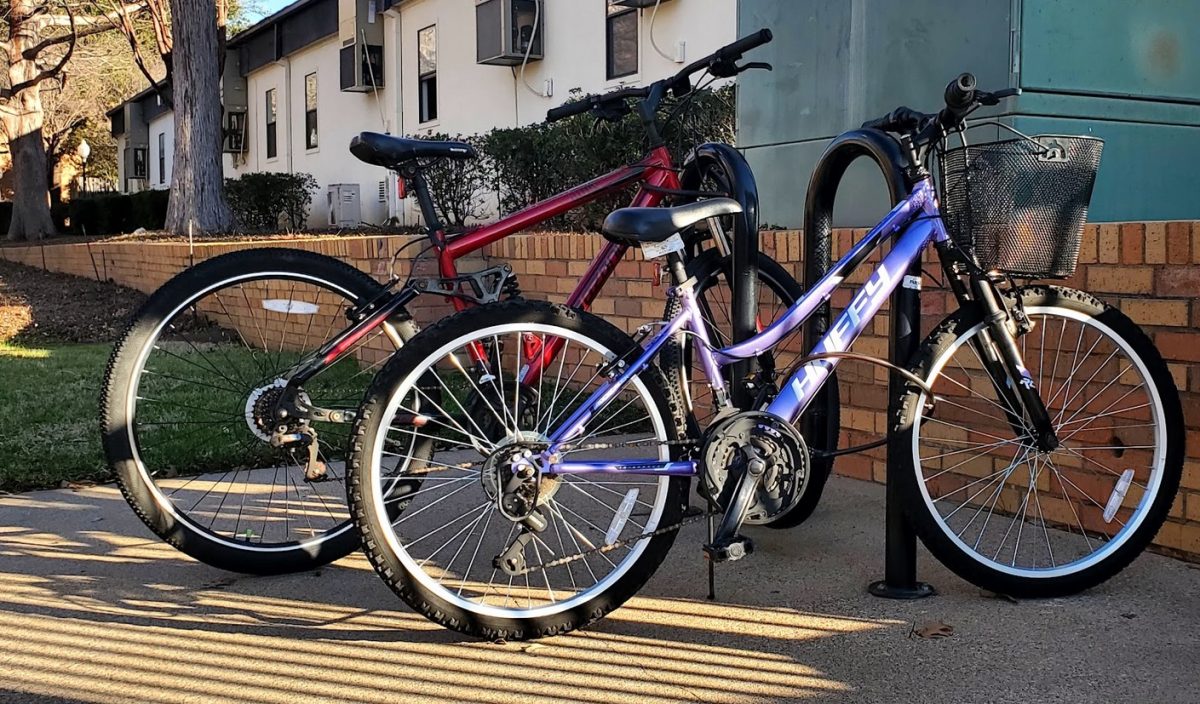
x=101 y=214
x=461 y=188
x=522 y=165
x=265 y=201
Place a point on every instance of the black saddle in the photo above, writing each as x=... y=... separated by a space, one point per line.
x=631 y=226
x=389 y=152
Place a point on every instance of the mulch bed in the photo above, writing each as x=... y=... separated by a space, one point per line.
x=39 y=306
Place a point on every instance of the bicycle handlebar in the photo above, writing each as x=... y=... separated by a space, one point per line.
x=722 y=63
x=961 y=97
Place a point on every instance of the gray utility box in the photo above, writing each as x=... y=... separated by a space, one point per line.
x=1123 y=71
x=504 y=30
x=345 y=205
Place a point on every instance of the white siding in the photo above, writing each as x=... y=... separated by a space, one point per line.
x=340 y=116
x=164 y=125
x=474 y=98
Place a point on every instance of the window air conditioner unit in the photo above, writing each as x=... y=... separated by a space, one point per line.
x=360 y=29
x=504 y=30
x=636 y=3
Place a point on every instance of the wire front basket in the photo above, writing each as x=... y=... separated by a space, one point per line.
x=1019 y=206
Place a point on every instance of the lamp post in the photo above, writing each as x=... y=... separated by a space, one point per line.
x=85 y=151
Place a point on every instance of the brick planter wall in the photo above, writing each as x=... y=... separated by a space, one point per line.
x=1149 y=270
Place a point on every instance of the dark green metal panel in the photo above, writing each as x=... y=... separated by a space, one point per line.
x=1112 y=47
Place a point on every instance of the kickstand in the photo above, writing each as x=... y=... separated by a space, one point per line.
x=712 y=579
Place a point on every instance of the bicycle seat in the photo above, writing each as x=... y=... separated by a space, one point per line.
x=633 y=225
x=388 y=151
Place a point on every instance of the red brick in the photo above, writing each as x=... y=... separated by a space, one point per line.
x=1181 y=281
x=1156 y=243
x=1133 y=241
x=1122 y=279
x=1110 y=244
x=1156 y=312
x=1179 y=242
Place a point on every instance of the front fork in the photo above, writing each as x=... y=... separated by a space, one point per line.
x=997 y=349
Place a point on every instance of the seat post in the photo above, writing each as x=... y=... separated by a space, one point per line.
x=428 y=212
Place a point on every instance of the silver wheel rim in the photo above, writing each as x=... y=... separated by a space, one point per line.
x=374 y=482
x=1051 y=531
x=164 y=500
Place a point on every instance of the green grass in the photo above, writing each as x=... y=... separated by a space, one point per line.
x=50 y=431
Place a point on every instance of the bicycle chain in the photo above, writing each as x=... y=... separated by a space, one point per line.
x=691 y=515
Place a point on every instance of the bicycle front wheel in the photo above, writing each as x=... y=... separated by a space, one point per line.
x=187 y=409
x=1016 y=520
x=452 y=534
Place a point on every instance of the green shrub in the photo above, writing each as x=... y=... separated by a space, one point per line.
x=265 y=201
x=532 y=163
x=148 y=209
x=460 y=188
x=99 y=214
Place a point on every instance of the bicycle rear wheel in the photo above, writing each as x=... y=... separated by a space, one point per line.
x=187 y=400
x=1016 y=520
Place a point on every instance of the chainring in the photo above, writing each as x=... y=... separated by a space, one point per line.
x=725 y=453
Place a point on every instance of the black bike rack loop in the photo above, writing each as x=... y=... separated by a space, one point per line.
x=900 y=558
x=745 y=241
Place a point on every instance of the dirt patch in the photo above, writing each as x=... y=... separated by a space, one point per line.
x=38 y=306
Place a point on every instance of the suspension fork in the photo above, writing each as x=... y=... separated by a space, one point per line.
x=1014 y=385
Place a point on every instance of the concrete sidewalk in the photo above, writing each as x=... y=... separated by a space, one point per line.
x=94 y=609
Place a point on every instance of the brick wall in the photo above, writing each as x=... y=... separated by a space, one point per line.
x=1148 y=270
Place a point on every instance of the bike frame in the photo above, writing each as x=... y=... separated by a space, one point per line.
x=917 y=222
x=654 y=174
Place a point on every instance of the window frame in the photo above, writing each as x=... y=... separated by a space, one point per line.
x=312 y=140
x=162 y=158
x=142 y=174
x=271 y=121
x=427 y=82
x=615 y=12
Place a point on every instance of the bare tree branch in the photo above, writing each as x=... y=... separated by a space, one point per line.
x=85 y=27
x=51 y=71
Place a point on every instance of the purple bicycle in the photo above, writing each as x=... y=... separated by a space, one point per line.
x=1045 y=430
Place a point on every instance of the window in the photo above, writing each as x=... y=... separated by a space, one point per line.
x=621 y=41
x=310 y=111
x=139 y=162
x=272 y=106
x=162 y=157
x=427 y=74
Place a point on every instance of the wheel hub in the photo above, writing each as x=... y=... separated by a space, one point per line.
x=512 y=479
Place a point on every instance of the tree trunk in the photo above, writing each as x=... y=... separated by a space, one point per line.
x=197 y=181
x=23 y=120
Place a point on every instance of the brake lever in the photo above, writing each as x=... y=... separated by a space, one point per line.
x=756 y=65
x=994 y=98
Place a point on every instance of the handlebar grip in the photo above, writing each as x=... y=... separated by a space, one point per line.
x=569 y=110
x=734 y=51
x=960 y=98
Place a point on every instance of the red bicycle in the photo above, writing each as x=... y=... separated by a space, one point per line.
x=227 y=402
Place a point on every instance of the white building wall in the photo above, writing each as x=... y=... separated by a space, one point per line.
x=340 y=116
x=474 y=98
x=164 y=124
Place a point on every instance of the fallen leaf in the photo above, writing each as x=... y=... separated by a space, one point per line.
x=79 y=485
x=996 y=595
x=499 y=641
x=532 y=648
x=932 y=631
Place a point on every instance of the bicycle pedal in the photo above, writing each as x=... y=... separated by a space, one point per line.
x=693 y=512
x=734 y=550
